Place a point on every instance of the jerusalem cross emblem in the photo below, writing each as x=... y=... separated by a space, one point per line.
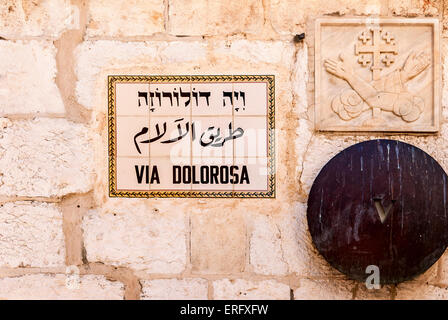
x=384 y=79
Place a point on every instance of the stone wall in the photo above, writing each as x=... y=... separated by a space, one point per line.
x=55 y=56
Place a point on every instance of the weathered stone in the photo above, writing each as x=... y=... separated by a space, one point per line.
x=215 y=17
x=47 y=18
x=324 y=290
x=266 y=251
x=444 y=23
x=444 y=82
x=45 y=157
x=290 y=16
x=337 y=289
x=383 y=293
x=182 y=51
x=304 y=135
x=218 y=241
x=130 y=18
x=27 y=78
x=412 y=8
x=281 y=244
x=31 y=235
x=276 y=52
x=133 y=236
x=250 y=290
x=57 y=287
x=443 y=272
x=420 y=291
x=174 y=289
x=300 y=80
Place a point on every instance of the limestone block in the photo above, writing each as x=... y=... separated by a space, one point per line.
x=215 y=17
x=31 y=235
x=445 y=22
x=27 y=78
x=281 y=244
x=338 y=289
x=54 y=287
x=130 y=18
x=290 y=16
x=383 y=293
x=47 y=18
x=266 y=251
x=239 y=289
x=133 y=236
x=45 y=157
x=412 y=8
x=218 y=241
x=444 y=70
x=174 y=289
x=420 y=291
x=324 y=290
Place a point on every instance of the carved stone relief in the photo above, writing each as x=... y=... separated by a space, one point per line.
x=377 y=75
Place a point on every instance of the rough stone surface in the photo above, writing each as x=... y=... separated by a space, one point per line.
x=174 y=289
x=44 y=157
x=215 y=17
x=212 y=229
x=266 y=251
x=300 y=78
x=27 y=74
x=444 y=72
x=54 y=287
x=290 y=16
x=281 y=244
x=31 y=235
x=130 y=18
x=250 y=290
x=46 y=18
x=338 y=289
x=324 y=290
x=445 y=23
x=443 y=265
x=133 y=236
x=383 y=293
x=418 y=291
x=413 y=8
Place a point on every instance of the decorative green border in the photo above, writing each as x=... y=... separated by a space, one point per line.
x=113 y=192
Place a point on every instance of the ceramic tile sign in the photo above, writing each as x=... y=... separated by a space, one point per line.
x=377 y=75
x=191 y=136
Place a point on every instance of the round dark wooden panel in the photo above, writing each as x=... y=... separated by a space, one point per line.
x=383 y=203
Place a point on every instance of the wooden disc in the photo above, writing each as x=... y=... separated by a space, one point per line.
x=382 y=203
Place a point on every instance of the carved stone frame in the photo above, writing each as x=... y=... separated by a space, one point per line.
x=427 y=128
